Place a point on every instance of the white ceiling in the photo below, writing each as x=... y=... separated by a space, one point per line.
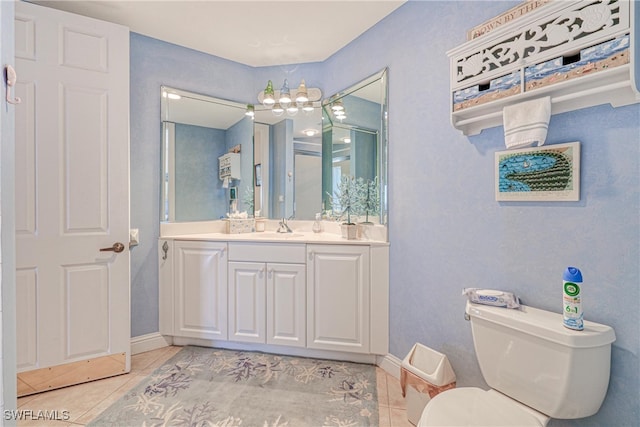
x=255 y=33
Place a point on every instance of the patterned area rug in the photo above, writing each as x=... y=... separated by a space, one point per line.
x=213 y=387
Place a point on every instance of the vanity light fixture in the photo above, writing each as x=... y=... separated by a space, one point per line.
x=310 y=132
x=251 y=111
x=281 y=100
x=346 y=140
x=338 y=110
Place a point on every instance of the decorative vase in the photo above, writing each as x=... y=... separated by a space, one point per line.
x=364 y=230
x=349 y=231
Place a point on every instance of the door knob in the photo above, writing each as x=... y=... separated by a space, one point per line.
x=117 y=248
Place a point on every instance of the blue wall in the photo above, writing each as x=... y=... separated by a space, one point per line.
x=155 y=63
x=446 y=230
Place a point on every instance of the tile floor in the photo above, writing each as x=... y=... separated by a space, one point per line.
x=85 y=401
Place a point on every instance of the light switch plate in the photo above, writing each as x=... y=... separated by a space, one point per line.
x=133 y=237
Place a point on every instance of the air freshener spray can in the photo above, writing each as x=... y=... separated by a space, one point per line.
x=571 y=299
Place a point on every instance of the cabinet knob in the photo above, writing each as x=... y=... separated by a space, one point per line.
x=311 y=256
x=270 y=274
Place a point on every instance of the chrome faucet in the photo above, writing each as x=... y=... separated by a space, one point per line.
x=284 y=228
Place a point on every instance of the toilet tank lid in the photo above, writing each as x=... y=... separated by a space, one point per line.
x=544 y=324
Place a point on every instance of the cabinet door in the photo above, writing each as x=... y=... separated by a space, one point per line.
x=338 y=298
x=247 y=301
x=201 y=290
x=286 y=301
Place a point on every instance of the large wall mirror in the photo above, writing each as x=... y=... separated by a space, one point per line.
x=355 y=146
x=289 y=166
x=197 y=130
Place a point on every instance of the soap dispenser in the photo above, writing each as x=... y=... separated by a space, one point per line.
x=317 y=224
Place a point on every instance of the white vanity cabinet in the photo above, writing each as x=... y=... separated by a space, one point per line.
x=200 y=289
x=267 y=293
x=310 y=297
x=338 y=297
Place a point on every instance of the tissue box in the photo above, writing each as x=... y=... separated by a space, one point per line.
x=235 y=226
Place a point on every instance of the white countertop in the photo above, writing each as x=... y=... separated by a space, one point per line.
x=214 y=231
x=271 y=237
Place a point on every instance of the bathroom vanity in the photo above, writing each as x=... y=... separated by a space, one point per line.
x=304 y=293
x=299 y=292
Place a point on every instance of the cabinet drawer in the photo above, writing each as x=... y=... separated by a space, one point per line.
x=267 y=252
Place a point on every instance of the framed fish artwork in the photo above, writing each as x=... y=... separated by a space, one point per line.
x=547 y=173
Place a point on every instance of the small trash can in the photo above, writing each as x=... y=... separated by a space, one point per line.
x=423 y=374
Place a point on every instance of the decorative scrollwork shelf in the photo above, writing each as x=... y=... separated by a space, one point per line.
x=579 y=53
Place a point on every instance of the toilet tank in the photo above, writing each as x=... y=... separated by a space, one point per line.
x=528 y=355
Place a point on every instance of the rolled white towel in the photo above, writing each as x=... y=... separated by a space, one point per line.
x=526 y=123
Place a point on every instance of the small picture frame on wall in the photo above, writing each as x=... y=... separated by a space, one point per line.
x=549 y=173
x=257 y=173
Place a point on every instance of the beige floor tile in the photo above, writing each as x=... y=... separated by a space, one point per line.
x=142 y=361
x=78 y=399
x=384 y=416
x=109 y=400
x=164 y=354
x=395 y=393
x=381 y=381
x=24 y=400
x=399 y=418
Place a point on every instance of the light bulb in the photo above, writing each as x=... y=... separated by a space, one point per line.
x=285 y=95
x=301 y=94
x=292 y=110
x=250 y=111
x=277 y=109
x=268 y=99
x=307 y=107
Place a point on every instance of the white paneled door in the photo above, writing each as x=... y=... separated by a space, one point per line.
x=72 y=198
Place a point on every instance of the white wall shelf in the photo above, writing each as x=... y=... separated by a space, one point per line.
x=579 y=53
x=229 y=166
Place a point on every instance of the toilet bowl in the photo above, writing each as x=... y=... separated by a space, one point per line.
x=536 y=368
x=471 y=406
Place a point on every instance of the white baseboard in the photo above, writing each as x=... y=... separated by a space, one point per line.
x=390 y=364
x=149 y=342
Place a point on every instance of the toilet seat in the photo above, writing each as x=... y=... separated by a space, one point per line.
x=471 y=406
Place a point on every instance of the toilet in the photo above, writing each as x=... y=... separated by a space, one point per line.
x=537 y=370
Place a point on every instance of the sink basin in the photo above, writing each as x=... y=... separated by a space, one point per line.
x=274 y=235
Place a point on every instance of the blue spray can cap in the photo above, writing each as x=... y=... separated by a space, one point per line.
x=572 y=274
